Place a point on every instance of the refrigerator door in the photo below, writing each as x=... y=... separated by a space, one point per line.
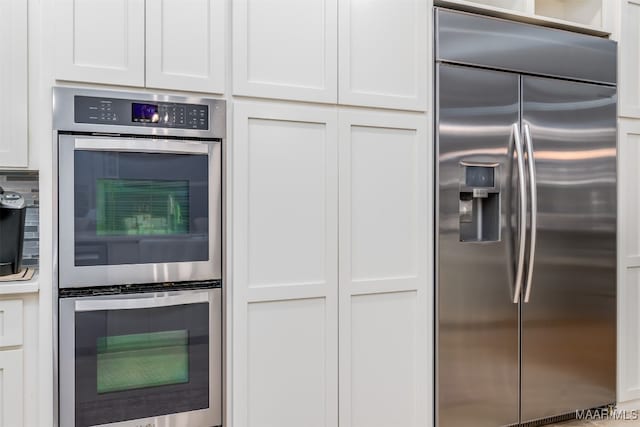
x=569 y=324
x=477 y=356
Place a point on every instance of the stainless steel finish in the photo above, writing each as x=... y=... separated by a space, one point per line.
x=533 y=194
x=477 y=335
x=89 y=304
x=500 y=363
x=569 y=325
x=522 y=224
x=496 y=43
x=142 y=145
x=63 y=118
x=62 y=98
x=74 y=276
x=211 y=416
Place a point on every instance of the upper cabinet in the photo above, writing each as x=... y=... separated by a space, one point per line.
x=384 y=53
x=167 y=44
x=286 y=49
x=100 y=41
x=186 y=44
x=13 y=84
x=289 y=49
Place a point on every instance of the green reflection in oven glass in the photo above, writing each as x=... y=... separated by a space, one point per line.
x=127 y=362
x=141 y=207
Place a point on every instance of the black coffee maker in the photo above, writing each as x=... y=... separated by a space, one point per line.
x=12 y=214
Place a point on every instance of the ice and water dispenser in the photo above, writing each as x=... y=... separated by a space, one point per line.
x=479 y=203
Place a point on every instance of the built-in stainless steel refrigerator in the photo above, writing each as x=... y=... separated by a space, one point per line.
x=525 y=221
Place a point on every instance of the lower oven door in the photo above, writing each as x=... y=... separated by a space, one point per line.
x=152 y=360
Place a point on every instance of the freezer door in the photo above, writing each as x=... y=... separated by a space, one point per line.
x=569 y=324
x=477 y=336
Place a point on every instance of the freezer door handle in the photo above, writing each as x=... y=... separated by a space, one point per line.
x=522 y=212
x=533 y=193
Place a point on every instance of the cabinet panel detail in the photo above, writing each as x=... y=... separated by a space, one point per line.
x=285 y=49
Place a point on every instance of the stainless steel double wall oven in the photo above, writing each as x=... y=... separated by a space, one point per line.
x=139 y=263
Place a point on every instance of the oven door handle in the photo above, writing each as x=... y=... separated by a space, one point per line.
x=159 y=299
x=143 y=145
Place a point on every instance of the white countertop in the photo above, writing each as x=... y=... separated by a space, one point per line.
x=20 y=287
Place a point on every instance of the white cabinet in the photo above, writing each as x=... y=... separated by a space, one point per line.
x=11 y=388
x=12 y=376
x=100 y=41
x=11 y=331
x=186 y=44
x=285 y=49
x=285 y=284
x=294 y=228
x=14 y=148
x=289 y=49
x=384 y=53
x=164 y=44
x=628 y=260
x=385 y=277
x=629 y=59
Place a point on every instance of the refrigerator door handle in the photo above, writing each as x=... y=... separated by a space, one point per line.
x=522 y=212
x=534 y=209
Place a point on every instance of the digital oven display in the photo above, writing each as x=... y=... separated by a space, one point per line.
x=145 y=113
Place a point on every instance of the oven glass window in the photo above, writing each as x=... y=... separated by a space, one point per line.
x=133 y=361
x=140 y=363
x=140 y=208
x=130 y=207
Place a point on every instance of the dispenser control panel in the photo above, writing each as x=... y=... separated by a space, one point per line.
x=130 y=112
x=479 y=206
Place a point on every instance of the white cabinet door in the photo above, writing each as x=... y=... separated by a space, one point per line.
x=186 y=45
x=384 y=53
x=285 y=49
x=11 y=325
x=285 y=208
x=628 y=260
x=629 y=59
x=14 y=147
x=11 y=388
x=100 y=41
x=385 y=266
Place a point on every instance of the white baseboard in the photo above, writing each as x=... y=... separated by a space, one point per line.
x=629 y=405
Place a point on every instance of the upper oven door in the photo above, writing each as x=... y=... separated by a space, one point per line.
x=138 y=210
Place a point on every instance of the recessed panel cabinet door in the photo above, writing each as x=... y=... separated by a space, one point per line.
x=285 y=265
x=384 y=53
x=629 y=59
x=13 y=84
x=100 y=41
x=11 y=388
x=628 y=384
x=385 y=266
x=285 y=49
x=186 y=45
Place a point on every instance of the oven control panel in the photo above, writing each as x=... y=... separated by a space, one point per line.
x=130 y=112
